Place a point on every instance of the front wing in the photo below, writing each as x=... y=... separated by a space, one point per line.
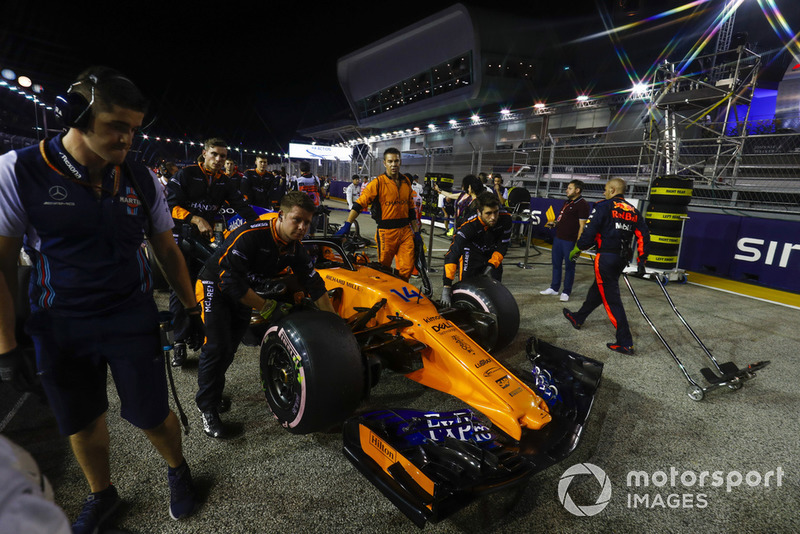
x=432 y=464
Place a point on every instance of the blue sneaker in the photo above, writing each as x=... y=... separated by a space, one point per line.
x=181 y=492
x=97 y=509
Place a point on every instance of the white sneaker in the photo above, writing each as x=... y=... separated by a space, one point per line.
x=564 y=297
x=549 y=291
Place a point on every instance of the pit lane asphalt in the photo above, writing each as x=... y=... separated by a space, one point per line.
x=267 y=480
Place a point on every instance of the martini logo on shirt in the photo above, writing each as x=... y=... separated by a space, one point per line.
x=131 y=200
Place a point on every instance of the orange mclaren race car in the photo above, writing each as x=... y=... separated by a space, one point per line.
x=317 y=368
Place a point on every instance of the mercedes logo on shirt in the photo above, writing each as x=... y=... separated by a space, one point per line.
x=58 y=193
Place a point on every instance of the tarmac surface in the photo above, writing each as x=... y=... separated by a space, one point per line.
x=727 y=463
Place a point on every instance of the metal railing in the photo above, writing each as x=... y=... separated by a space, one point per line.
x=747 y=172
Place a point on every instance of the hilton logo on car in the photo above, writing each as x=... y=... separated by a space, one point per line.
x=384 y=449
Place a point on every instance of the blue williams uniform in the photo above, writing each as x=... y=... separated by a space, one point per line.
x=612 y=226
x=91 y=286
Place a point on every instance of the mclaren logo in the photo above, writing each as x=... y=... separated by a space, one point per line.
x=57 y=193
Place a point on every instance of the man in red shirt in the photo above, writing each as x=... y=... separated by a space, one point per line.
x=569 y=226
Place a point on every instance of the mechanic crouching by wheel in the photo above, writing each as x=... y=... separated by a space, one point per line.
x=478 y=246
x=392 y=205
x=195 y=195
x=251 y=256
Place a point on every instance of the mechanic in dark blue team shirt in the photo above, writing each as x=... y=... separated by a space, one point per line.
x=612 y=226
x=196 y=194
x=251 y=257
x=82 y=213
x=479 y=245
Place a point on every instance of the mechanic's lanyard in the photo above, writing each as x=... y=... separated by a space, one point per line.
x=75 y=175
x=565 y=206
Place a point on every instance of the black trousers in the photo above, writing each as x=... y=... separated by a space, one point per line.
x=226 y=322
x=608 y=268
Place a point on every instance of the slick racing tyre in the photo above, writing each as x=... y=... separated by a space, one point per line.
x=487 y=295
x=312 y=372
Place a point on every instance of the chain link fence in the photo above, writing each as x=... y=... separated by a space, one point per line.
x=744 y=172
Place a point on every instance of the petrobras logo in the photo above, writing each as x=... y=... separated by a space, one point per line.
x=754 y=250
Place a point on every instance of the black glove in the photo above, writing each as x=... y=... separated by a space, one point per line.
x=14 y=368
x=196 y=333
x=447 y=296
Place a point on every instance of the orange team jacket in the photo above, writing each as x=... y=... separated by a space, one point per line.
x=391 y=207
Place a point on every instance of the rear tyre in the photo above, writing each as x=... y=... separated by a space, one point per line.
x=487 y=295
x=312 y=372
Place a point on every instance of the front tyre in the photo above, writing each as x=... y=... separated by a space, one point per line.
x=487 y=295
x=312 y=372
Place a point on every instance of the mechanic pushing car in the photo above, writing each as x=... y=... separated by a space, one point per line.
x=612 y=226
x=249 y=259
x=195 y=195
x=82 y=212
x=392 y=206
x=479 y=245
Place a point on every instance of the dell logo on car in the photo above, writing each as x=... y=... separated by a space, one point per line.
x=751 y=250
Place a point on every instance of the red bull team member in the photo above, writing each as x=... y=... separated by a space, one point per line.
x=252 y=255
x=390 y=200
x=479 y=245
x=82 y=212
x=195 y=195
x=611 y=227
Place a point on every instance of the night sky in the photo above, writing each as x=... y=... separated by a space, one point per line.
x=251 y=73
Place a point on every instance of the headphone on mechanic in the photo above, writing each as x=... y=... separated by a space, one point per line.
x=73 y=110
